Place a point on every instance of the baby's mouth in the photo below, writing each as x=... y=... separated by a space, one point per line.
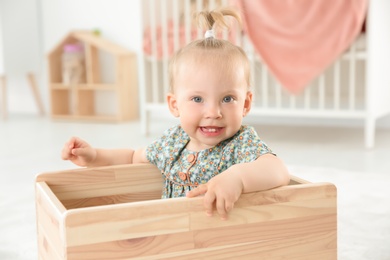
x=210 y=129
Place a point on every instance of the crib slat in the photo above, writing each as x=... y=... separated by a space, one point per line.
x=248 y=48
x=164 y=28
x=239 y=35
x=307 y=98
x=225 y=32
x=154 y=52
x=252 y=65
x=199 y=7
x=264 y=85
x=352 y=76
x=321 y=92
x=278 y=95
x=187 y=21
x=211 y=4
x=336 y=85
x=175 y=19
x=164 y=36
x=293 y=101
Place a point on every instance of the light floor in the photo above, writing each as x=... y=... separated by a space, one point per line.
x=30 y=144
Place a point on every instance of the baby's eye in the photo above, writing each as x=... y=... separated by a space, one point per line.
x=228 y=99
x=197 y=99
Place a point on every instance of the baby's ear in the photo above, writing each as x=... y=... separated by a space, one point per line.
x=247 y=103
x=172 y=104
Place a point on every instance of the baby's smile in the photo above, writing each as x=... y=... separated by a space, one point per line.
x=210 y=129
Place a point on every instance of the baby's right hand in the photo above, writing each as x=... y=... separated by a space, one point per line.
x=78 y=151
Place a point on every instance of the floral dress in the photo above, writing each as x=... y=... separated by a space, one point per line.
x=184 y=170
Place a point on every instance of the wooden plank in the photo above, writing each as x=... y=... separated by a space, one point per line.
x=85 y=102
x=121 y=94
x=49 y=218
x=105 y=189
x=92 y=62
x=272 y=229
x=209 y=241
x=128 y=248
x=288 y=193
x=60 y=99
x=156 y=217
x=108 y=226
x=46 y=249
x=296 y=180
x=313 y=246
x=123 y=172
x=55 y=68
x=320 y=245
x=127 y=84
x=279 y=249
x=247 y=202
x=113 y=199
x=35 y=90
x=106 y=182
x=265 y=213
x=131 y=172
x=131 y=220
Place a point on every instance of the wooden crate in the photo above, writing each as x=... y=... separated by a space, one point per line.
x=115 y=213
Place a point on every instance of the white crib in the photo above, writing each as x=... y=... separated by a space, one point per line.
x=356 y=86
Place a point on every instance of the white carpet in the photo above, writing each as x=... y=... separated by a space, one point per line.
x=363 y=214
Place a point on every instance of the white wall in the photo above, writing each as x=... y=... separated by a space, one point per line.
x=119 y=20
x=1 y=44
x=20 y=36
x=20 y=50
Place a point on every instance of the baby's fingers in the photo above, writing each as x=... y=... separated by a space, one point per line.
x=221 y=208
x=72 y=142
x=66 y=152
x=200 y=190
x=208 y=203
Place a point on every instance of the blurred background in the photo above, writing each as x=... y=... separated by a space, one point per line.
x=29 y=30
x=336 y=129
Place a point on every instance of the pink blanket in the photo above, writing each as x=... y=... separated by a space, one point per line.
x=299 y=39
x=169 y=40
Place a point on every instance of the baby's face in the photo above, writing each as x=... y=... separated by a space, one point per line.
x=210 y=102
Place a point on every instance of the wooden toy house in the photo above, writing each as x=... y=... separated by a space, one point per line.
x=79 y=100
x=115 y=213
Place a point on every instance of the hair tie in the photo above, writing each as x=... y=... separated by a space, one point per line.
x=209 y=34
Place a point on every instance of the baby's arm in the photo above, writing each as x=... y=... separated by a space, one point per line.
x=82 y=154
x=106 y=157
x=266 y=172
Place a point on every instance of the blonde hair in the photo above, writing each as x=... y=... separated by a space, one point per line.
x=229 y=55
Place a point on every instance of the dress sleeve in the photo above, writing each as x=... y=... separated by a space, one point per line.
x=164 y=150
x=155 y=151
x=248 y=146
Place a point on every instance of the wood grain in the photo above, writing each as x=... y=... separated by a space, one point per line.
x=51 y=242
x=114 y=213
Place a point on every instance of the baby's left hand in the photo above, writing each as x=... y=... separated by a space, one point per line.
x=223 y=190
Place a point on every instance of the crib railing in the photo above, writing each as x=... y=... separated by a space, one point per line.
x=339 y=92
